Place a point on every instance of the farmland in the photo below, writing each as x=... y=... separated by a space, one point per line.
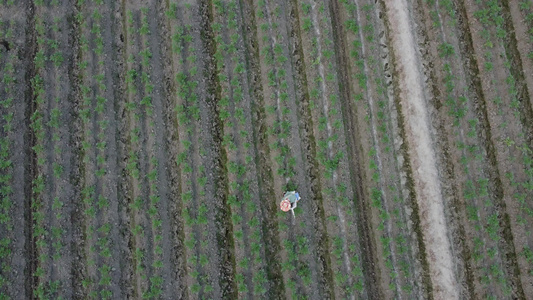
x=145 y=147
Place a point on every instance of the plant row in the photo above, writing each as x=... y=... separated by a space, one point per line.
x=235 y=112
x=327 y=118
x=7 y=96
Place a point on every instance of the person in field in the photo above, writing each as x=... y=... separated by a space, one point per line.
x=289 y=201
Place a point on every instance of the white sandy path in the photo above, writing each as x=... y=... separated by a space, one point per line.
x=421 y=152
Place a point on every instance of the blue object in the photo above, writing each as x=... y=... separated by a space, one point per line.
x=291 y=196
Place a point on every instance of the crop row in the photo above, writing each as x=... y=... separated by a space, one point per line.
x=7 y=95
x=480 y=206
x=191 y=188
x=486 y=143
x=235 y=113
x=510 y=124
x=149 y=202
x=193 y=194
x=201 y=157
x=101 y=263
x=52 y=186
x=326 y=113
x=300 y=255
x=378 y=117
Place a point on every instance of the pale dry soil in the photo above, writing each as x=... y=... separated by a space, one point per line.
x=421 y=152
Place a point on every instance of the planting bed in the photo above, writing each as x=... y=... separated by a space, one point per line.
x=145 y=147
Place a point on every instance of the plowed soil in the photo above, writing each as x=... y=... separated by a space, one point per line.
x=145 y=146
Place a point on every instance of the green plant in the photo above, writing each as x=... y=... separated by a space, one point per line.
x=144 y=30
x=446 y=50
x=57 y=58
x=58 y=170
x=307 y=24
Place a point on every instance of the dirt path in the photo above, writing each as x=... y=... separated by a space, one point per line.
x=422 y=154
